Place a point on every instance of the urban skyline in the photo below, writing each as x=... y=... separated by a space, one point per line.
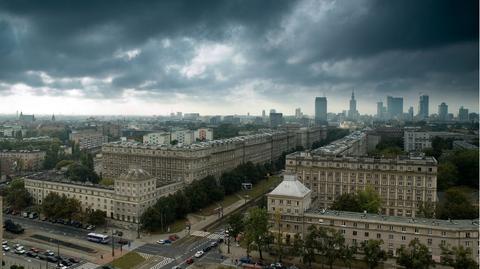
x=113 y=65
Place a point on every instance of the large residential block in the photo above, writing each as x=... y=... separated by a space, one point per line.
x=403 y=183
x=185 y=163
x=290 y=211
x=132 y=193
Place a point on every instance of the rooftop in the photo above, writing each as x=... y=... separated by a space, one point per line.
x=454 y=224
x=290 y=186
x=340 y=145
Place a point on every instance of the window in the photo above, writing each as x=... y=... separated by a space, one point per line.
x=390 y=236
x=366 y=234
x=467 y=235
x=379 y=236
x=416 y=230
x=444 y=233
x=403 y=238
x=429 y=241
x=354 y=224
x=354 y=233
x=404 y=229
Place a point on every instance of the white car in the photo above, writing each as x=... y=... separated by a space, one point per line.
x=20 y=251
x=199 y=254
x=49 y=253
x=6 y=248
x=4 y=242
x=161 y=242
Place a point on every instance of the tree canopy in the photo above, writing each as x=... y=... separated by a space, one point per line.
x=415 y=256
x=367 y=199
x=456 y=205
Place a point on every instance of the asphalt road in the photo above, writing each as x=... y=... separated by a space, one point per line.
x=177 y=253
x=53 y=228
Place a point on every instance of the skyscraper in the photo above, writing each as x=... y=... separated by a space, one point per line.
x=381 y=111
x=443 y=111
x=263 y=113
x=276 y=119
x=423 y=107
x=463 y=114
x=394 y=107
x=352 y=112
x=298 y=113
x=410 y=113
x=320 y=110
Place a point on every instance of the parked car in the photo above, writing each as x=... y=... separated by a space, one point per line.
x=20 y=251
x=189 y=261
x=90 y=227
x=33 y=215
x=31 y=254
x=245 y=260
x=5 y=248
x=4 y=242
x=41 y=257
x=161 y=242
x=173 y=237
x=167 y=241
x=199 y=254
x=214 y=244
x=52 y=259
x=176 y=267
x=73 y=260
x=49 y=253
x=25 y=214
x=207 y=248
x=36 y=250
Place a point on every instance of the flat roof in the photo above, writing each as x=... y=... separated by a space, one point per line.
x=453 y=224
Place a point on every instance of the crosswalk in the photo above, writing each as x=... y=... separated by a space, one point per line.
x=87 y=265
x=165 y=261
x=214 y=236
x=146 y=256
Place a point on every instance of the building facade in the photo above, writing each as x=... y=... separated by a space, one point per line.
x=186 y=163
x=395 y=107
x=423 y=107
x=159 y=138
x=320 y=110
x=203 y=134
x=288 y=201
x=88 y=139
x=23 y=160
x=132 y=193
x=404 y=184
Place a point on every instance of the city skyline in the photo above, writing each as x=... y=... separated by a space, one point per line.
x=90 y=58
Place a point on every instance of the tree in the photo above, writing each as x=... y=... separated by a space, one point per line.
x=330 y=245
x=79 y=172
x=373 y=253
x=426 y=210
x=347 y=202
x=369 y=200
x=310 y=246
x=447 y=175
x=457 y=257
x=456 y=205
x=256 y=228
x=415 y=256
x=297 y=246
x=236 y=224
x=348 y=254
x=17 y=196
x=56 y=206
x=96 y=217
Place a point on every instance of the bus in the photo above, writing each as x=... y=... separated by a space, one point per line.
x=98 y=238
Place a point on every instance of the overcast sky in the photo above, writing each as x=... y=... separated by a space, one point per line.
x=234 y=57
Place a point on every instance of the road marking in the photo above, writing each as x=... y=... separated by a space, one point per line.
x=165 y=261
x=146 y=256
x=87 y=265
x=200 y=233
x=214 y=236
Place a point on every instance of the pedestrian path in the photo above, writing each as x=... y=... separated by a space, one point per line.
x=200 y=233
x=87 y=265
x=162 y=263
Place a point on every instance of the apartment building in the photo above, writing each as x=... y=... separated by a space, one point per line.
x=186 y=163
x=88 y=139
x=203 y=134
x=132 y=193
x=417 y=140
x=306 y=136
x=158 y=138
x=290 y=200
x=354 y=144
x=23 y=160
x=403 y=183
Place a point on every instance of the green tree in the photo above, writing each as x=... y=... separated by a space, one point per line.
x=373 y=253
x=79 y=172
x=458 y=257
x=256 y=228
x=330 y=245
x=369 y=200
x=17 y=196
x=310 y=246
x=348 y=255
x=426 y=210
x=297 y=246
x=447 y=175
x=415 y=256
x=456 y=205
x=347 y=202
x=63 y=163
x=96 y=217
x=236 y=224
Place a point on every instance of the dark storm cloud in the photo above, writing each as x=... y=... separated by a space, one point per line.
x=217 y=46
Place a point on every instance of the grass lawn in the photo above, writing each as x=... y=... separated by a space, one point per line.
x=210 y=210
x=257 y=190
x=128 y=261
x=175 y=227
x=261 y=187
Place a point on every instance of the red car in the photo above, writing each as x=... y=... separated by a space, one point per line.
x=173 y=237
x=189 y=261
x=35 y=250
